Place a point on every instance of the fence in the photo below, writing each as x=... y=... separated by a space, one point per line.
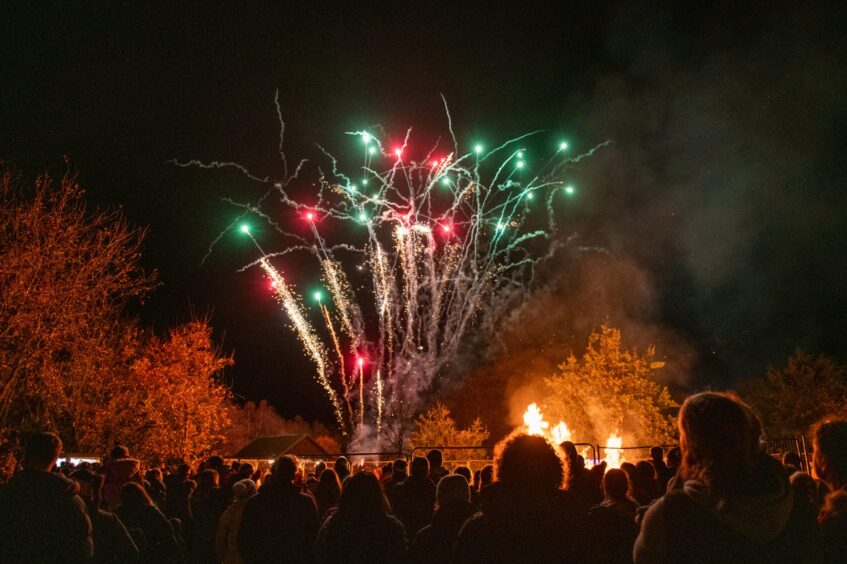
x=477 y=456
x=778 y=447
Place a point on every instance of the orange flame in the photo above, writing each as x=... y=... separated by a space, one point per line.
x=535 y=424
x=534 y=421
x=614 y=456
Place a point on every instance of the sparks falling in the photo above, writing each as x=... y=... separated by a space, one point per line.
x=415 y=248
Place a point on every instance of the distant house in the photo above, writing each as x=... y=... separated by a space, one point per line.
x=270 y=448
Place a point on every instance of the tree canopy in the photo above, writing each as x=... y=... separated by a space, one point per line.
x=435 y=427
x=791 y=398
x=70 y=359
x=611 y=389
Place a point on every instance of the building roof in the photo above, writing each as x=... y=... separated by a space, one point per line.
x=278 y=445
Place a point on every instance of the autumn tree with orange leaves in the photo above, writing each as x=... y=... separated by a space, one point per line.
x=65 y=275
x=171 y=403
x=70 y=360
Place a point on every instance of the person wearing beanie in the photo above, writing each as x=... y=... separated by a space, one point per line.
x=226 y=540
x=398 y=476
x=434 y=543
x=342 y=468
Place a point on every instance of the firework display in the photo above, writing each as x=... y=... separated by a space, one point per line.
x=415 y=248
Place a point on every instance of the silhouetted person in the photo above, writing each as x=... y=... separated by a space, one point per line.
x=155 y=487
x=342 y=468
x=385 y=472
x=361 y=530
x=118 y=470
x=112 y=542
x=327 y=493
x=436 y=468
x=583 y=483
x=319 y=468
x=207 y=504
x=792 y=463
x=612 y=523
x=149 y=527
x=674 y=459
x=41 y=517
x=663 y=473
x=830 y=466
x=486 y=475
x=730 y=502
x=466 y=472
x=225 y=474
x=179 y=487
x=645 y=486
x=434 y=543
x=226 y=539
x=280 y=523
x=468 y=475
x=312 y=484
x=414 y=498
x=526 y=517
x=398 y=476
x=486 y=478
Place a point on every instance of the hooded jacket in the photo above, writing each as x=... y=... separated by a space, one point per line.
x=226 y=539
x=766 y=524
x=117 y=473
x=43 y=520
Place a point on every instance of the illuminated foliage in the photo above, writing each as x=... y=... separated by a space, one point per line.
x=169 y=405
x=69 y=359
x=435 y=427
x=611 y=389
x=65 y=274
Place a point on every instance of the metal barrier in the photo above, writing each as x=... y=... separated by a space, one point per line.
x=480 y=462
x=363 y=460
x=640 y=452
x=473 y=461
x=594 y=451
x=780 y=446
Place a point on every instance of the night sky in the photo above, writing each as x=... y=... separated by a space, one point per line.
x=714 y=225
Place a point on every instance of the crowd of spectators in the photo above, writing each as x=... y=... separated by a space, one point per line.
x=718 y=497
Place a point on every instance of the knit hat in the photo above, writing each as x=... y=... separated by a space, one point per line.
x=243 y=489
x=452 y=488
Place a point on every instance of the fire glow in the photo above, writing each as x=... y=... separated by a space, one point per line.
x=534 y=424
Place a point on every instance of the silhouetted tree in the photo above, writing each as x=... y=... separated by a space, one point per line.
x=791 y=398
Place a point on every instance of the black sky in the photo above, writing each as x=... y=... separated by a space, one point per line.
x=724 y=189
